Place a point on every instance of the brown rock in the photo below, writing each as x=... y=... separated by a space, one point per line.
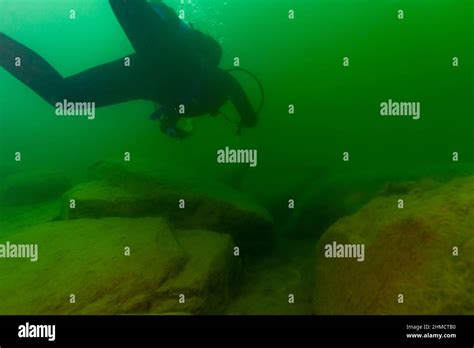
x=408 y=251
x=86 y=257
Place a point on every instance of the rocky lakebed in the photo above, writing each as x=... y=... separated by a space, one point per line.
x=127 y=241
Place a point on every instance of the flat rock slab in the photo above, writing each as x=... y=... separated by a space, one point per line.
x=87 y=258
x=116 y=190
x=408 y=252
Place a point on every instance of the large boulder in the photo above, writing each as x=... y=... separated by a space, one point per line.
x=205 y=279
x=32 y=187
x=324 y=202
x=89 y=258
x=409 y=252
x=334 y=195
x=120 y=191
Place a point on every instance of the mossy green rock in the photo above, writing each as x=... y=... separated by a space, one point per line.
x=117 y=190
x=408 y=251
x=32 y=187
x=88 y=258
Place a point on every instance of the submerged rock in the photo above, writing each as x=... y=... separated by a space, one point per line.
x=335 y=195
x=411 y=264
x=325 y=201
x=88 y=258
x=32 y=187
x=125 y=192
x=205 y=280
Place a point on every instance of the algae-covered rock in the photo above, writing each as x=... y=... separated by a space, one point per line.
x=117 y=190
x=91 y=260
x=98 y=199
x=409 y=251
x=325 y=201
x=335 y=195
x=211 y=268
x=32 y=187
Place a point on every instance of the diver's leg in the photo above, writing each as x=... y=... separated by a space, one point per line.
x=107 y=84
x=149 y=33
x=30 y=68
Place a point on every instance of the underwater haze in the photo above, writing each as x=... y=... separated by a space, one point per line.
x=312 y=228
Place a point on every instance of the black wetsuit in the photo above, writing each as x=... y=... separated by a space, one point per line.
x=171 y=66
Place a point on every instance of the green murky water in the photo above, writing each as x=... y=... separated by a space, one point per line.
x=299 y=62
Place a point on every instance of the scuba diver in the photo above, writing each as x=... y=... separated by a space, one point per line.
x=174 y=66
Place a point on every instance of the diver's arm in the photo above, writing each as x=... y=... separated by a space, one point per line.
x=242 y=103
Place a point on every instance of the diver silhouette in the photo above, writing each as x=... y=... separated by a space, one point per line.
x=174 y=65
